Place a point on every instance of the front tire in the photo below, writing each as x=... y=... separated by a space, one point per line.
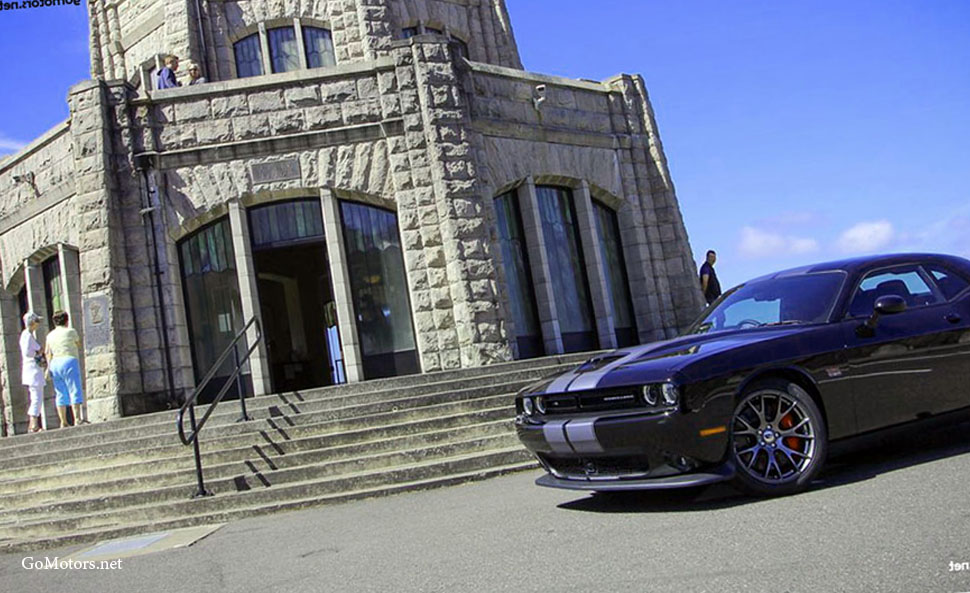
x=778 y=439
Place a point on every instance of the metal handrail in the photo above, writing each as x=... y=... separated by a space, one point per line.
x=189 y=405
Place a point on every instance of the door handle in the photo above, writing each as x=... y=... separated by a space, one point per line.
x=953 y=317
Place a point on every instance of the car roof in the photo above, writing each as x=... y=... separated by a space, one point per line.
x=862 y=263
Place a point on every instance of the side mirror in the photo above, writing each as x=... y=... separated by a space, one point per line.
x=889 y=304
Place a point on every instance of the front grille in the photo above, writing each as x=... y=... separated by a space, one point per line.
x=593 y=468
x=616 y=399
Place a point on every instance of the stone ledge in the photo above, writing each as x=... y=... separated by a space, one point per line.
x=479 y=67
x=209 y=89
x=53 y=197
x=502 y=129
x=49 y=136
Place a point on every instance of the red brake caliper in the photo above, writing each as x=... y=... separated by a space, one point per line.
x=791 y=442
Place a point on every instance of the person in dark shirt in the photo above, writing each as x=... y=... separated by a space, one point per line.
x=166 y=76
x=709 y=284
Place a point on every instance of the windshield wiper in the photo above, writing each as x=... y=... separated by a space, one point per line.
x=786 y=322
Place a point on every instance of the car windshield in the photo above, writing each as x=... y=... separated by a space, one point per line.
x=804 y=298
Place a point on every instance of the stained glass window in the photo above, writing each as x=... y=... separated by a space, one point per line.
x=284 y=52
x=319 y=47
x=53 y=290
x=249 y=57
x=567 y=268
x=211 y=295
x=518 y=279
x=616 y=279
x=382 y=307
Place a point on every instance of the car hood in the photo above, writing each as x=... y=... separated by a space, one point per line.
x=655 y=362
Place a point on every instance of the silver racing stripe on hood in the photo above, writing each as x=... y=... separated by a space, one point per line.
x=590 y=380
x=561 y=383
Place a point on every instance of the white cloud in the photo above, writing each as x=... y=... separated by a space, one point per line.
x=758 y=243
x=866 y=236
x=8 y=145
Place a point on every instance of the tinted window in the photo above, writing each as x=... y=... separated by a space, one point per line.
x=950 y=283
x=904 y=282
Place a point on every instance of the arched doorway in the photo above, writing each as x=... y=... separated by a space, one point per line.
x=296 y=295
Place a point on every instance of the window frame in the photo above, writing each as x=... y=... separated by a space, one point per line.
x=906 y=266
x=262 y=29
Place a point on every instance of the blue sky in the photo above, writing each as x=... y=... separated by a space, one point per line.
x=795 y=131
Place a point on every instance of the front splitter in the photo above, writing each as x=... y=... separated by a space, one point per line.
x=719 y=474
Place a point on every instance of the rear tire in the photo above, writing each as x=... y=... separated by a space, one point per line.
x=778 y=439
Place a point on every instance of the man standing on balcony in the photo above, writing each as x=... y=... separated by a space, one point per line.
x=166 y=76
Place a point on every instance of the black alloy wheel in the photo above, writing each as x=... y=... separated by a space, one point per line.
x=778 y=439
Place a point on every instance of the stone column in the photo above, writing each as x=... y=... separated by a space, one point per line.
x=13 y=398
x=337 y=259
x=249 y=295
x=539 y=262
x=599 y=292
x=108 y=322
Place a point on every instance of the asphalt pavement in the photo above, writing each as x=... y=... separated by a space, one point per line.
x=893 y=517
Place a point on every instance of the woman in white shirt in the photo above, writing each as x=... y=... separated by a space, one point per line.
x=31 y=372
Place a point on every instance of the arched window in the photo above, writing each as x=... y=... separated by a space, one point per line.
x=212 y=302
x=518 y=279
x=567 y=268
x=284 y=52
x=249 y=57
x=614 y=268
x=319 y=47
x=53 y=289
x=375 y=262
x=287 y=49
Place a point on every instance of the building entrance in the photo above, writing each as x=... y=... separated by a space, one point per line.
x=296 y=296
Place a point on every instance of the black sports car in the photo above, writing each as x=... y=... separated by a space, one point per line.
x=769 y=375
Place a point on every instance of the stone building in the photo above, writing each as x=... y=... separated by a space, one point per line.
x=378 y=181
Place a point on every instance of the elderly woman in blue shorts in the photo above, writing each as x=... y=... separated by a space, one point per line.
x=64 y=367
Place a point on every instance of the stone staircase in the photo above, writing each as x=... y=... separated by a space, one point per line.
x=302 y=449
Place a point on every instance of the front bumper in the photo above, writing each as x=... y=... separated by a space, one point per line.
x=631 y=450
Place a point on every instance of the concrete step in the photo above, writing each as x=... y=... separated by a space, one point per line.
x=268 y=433
x=249 y=473
x=352 y=462
x=268 y=498
x=228 y=411
x=308 y=412
x=268 y=454
x=19 y=543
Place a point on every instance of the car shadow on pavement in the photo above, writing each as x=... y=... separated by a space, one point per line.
x=864 y=461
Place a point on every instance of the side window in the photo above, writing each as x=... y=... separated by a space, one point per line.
x=950 y=283
x=905 y=282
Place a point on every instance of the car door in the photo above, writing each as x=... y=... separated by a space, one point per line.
x=895 y=372
x=951 y=356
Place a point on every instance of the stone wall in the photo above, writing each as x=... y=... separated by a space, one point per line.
x=127 y=34
x=605 y=134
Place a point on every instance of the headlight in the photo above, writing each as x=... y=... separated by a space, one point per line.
x=671 y=394
x=527 y=406
x=651 y=394
x=660 y=395
x=541 y=404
